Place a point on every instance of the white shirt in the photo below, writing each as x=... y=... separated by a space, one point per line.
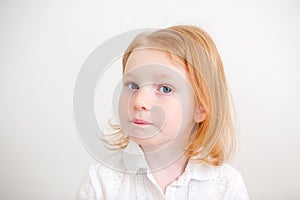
x=199 y=181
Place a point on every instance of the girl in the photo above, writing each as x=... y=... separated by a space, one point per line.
x=176 y=128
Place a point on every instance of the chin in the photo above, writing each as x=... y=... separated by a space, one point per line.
x=151 y=144
x=141 y=141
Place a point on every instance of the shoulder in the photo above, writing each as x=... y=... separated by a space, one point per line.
x=227 y=173
x=205 y=171
x=110 y=169
x=221 y=182
x=98 y=181
x=227 y=181
x=101 y=174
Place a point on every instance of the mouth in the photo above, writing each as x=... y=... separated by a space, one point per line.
x=141 y=122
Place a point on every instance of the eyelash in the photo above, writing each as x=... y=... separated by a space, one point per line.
x=166 y=86
x=136 y=87
x=128 y=85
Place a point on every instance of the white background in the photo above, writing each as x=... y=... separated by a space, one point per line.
x=44 y=43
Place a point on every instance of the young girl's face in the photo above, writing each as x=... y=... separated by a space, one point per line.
x=157 y=105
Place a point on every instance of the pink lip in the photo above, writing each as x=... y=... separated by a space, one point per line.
x=140 y=122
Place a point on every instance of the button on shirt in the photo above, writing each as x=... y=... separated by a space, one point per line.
x=134 y=181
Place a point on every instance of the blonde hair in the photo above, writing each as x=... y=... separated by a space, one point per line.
x=214 y=141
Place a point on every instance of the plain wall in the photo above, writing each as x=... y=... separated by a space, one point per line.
x=44 y=43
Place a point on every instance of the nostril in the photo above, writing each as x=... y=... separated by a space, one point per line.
x=140 y=106
x=143 y=107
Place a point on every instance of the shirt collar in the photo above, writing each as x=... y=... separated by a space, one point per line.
x=134 y=159
x=200 y=170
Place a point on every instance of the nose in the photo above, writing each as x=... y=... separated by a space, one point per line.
x=141 y=99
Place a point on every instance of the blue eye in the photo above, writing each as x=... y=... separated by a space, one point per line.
x=133 y=86
x=165 y=89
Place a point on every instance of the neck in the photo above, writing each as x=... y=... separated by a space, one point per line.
x=166 y=164
x=169 y=174
x=159 y=158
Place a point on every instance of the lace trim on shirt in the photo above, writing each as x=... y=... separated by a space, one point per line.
x=192 y=190
x=219 y=184
x=140 y=190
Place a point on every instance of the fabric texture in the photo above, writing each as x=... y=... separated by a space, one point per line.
x=199 y=181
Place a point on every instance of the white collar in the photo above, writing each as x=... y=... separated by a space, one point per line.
x=134 y=161
x=134 y=158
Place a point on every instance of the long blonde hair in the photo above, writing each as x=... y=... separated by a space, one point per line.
x=214 y=141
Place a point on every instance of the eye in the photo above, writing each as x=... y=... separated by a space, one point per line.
x=133 y=86
x=165 y=89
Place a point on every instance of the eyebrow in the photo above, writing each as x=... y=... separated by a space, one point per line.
x=128 y=75
x=166 y=76
x=161 y=75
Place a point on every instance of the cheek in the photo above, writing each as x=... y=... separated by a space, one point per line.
x=188 y=103
x=173 y=116
x=179 y=116
x=123 y=106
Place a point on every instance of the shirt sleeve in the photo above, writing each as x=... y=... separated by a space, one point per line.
x=89 y=188
x=241 y=191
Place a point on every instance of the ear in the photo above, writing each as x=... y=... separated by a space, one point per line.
x=199 y=114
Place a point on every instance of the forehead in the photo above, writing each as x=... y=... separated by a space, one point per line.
x=140 y=57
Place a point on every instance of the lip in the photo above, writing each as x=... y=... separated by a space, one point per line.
x=141 y=122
